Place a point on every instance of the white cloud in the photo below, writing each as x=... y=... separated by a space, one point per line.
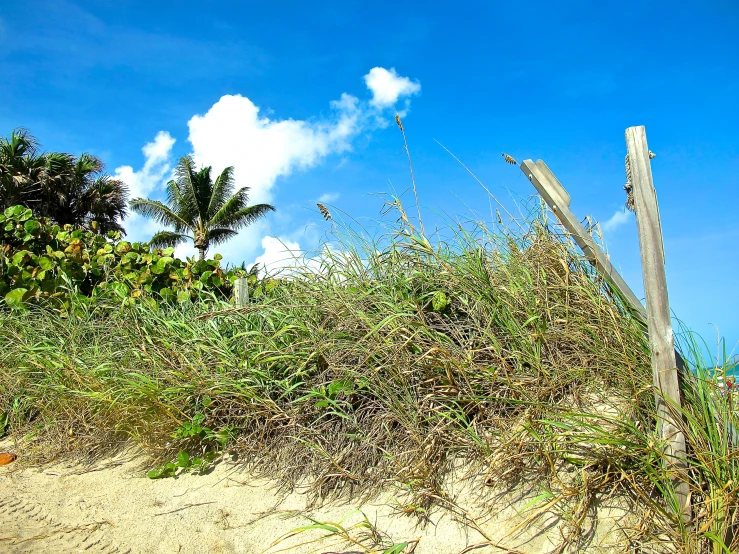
x=329 y=197
x=387 y=86
x=618 y=219
x=156 y=165
x=186 y=250
x=232 y=132
x=279 y=254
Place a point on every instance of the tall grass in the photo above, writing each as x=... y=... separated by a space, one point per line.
x=497 y=353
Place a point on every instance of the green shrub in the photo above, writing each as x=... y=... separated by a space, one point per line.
x=40 y=260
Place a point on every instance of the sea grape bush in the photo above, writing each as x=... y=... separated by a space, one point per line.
x=39 y=259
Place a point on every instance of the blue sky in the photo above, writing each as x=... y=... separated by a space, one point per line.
x=559 y=81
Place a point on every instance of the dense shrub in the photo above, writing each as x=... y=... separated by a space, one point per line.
x=39 y=260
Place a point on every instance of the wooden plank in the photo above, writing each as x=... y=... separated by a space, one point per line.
x=661 y=340
x=241 y=292
x=558 y=199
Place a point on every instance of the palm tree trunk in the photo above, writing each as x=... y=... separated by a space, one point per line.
x=202 y=253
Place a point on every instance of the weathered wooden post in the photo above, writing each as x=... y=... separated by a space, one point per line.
x=241 y=292
x=661 y=340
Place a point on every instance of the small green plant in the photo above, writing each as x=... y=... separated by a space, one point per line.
x=440 y=302
x=183 y=462
x=195 y=429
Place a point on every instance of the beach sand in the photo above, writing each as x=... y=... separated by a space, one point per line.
x=112 y=507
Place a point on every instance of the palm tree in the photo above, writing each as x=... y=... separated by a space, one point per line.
x=205 y=212
x=59 y=186
x=77 y=192
x=21 y=169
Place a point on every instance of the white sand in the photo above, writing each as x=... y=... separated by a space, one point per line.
x=115 y=508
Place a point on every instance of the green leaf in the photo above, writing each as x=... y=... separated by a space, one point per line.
x=167 y=470
x=26 y=215
x=32 y=226
x=183 y=296
x=45 y=263
x=20 y=257
x=15 y=296
x=396 y=548
x=183 y=459
x=120 y=289
x=218 y=257
x=167 y=294
x=159 y=267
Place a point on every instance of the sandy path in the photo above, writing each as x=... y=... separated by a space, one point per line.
x=115 y=508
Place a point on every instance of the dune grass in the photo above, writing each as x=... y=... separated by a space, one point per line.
x=494 y=354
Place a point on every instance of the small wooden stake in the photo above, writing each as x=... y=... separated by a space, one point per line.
x=241 y=292
x=664 y=364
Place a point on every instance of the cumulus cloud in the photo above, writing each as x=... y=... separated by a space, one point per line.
x=621 y=217
x=236 y=132
x=387 y=86
x=156 y=166
x=279 y=254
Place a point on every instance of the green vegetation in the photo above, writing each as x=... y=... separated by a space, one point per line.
x=57 y=186
x=39 y=260
x=210 y=211
x=495 y=352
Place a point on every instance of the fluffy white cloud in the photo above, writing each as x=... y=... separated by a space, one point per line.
x=618 y=219
x=387 y=86
x=232 y=132
x=156 y=166
x=279 y=254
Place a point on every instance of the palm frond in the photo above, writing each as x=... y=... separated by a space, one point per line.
x=219 y=235
x=235 y=214
x=203 y=190
x=87 y=165
x=165 y=239
x=175 y=199
x=160 y=213
x=185 y=180
x=229 y=207
x=222 y=190
x=106 y=201
x=249 y=215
